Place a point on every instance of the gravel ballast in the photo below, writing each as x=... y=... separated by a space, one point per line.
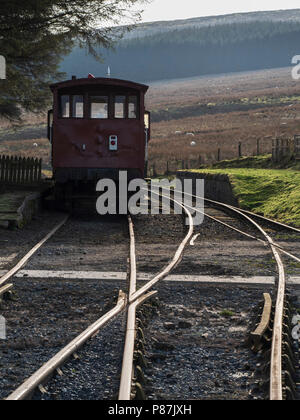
x=196 y=343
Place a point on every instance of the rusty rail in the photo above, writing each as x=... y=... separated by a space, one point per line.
x=25 y=259
x=276 y=390
x=276 y=385
x=268 y=220
x=5 y=289
x=127 y=365
x=262 y=327
x=42 y=375
x=137 y=298
x=175 y=260
x=26 y=390
x=294 y=257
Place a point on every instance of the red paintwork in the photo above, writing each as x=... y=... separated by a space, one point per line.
x=70 y=134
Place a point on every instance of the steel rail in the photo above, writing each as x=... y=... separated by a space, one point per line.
x=25 y=259
x=41 y=376
x=250 y=213
x=45 y=372
x=250 y=236
x=132 y=277
x=175 y=260
x=235 y=209
x=137 y=298
x=127 y=364
x=276 y=391
x=246 y=212
x=128 y=357
x=266 y=219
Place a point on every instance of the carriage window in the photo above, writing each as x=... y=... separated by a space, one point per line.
x=99 y=106
x=65 y=106
x=120 y=106
x=77 y=108
x=132 y=107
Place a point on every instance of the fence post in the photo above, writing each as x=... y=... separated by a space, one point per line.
x=219 y=155
x=297 y=146
x=258 y=147
x=154 y=170
x=240 y=150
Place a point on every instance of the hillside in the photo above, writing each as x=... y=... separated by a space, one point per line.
x=215 y=112
x=152 y=28
x=195 y=47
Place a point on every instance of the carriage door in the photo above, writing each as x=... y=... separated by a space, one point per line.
x=147 y=120
x=50 y=125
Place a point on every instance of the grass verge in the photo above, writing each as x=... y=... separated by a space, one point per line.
x=274 y=193
x=259 y=162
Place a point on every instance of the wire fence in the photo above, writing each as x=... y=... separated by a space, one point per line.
x=282 y=149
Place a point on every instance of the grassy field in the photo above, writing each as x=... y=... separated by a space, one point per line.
x=220 y=112
x=259 y=162
x=212 y=112
x=193 y=118
x=274 y=193
x=36 y=147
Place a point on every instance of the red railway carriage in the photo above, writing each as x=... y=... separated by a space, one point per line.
x=98 y=126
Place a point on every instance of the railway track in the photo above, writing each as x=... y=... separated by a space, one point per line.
x=129 y=302
x=13 y=271
x=37 y=380
x=276 y=389
x=137 y=296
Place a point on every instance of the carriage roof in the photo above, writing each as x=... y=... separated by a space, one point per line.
x=99 y=81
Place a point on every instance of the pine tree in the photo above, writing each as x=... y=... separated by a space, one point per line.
x=36 y=34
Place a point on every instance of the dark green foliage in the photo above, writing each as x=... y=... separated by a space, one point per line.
x=216 y=35
x=36 y=34
x=194 y=51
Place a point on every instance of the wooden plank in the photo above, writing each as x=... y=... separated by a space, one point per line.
x=258 y=334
